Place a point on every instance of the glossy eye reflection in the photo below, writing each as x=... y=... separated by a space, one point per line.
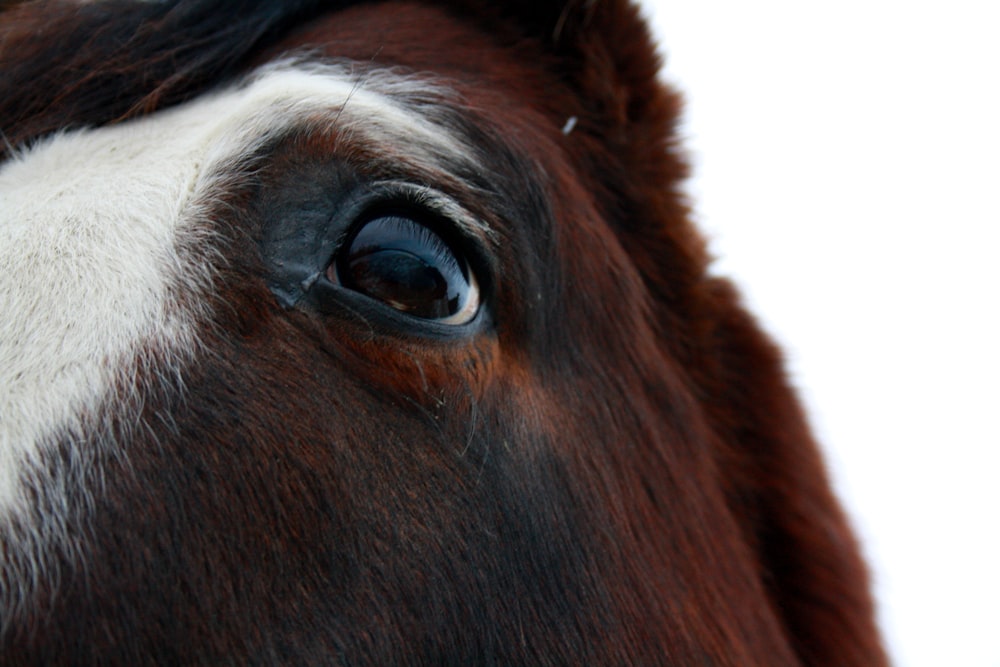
x=407 y=266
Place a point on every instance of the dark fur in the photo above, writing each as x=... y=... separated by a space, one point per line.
x=615 y=471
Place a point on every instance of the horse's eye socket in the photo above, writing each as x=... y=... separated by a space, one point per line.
x=407 y=266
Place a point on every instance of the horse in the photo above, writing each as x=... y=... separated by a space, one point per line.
x=346 y=332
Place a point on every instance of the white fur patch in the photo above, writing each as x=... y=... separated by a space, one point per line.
x=91 y=227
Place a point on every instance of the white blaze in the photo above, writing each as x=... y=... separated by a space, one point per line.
x=91 y=223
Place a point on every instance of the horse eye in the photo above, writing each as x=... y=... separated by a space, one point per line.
x=406 y=265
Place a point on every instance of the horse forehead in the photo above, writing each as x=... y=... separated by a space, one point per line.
x=96 y=228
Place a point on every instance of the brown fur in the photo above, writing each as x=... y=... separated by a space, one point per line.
x=614 y=472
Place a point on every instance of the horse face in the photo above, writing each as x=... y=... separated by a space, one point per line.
x=385 y=340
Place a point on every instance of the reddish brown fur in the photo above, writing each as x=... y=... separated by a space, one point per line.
x=617 y=472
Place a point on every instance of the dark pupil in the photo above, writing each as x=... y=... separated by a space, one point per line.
x=405 y=265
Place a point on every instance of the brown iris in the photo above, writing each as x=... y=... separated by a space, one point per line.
x=409 y=267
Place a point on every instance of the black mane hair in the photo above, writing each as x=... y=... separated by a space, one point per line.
x=98 y=63
x=103 y=62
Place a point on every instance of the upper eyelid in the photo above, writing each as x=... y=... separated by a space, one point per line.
x=438 y=204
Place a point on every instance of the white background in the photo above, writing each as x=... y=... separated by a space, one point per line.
x=847 y=170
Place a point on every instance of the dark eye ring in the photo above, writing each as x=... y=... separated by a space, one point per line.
x=397 y=260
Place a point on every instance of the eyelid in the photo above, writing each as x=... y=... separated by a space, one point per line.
x=441 y=206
